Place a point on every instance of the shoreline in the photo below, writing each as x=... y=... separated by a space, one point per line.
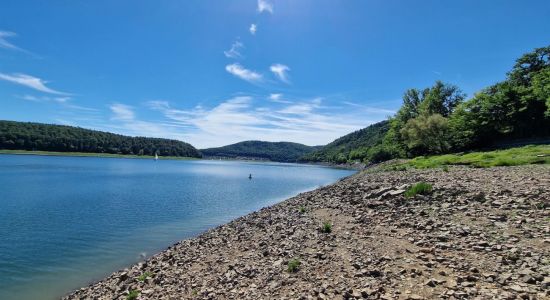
x=381 y=243
x=357 y=167
x=91 y=154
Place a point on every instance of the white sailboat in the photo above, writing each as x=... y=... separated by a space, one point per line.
x=156 y=156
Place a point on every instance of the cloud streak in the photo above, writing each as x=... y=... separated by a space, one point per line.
x=30 y=82
x=243 y=73
x=243 y=118
x=265 y=5
x=281 y=72
x=122 y=112
x=234 y=51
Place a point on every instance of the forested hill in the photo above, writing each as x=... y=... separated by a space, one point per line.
x=46 y=137
x=440 y=119
x=274 y=151
x=351 y=146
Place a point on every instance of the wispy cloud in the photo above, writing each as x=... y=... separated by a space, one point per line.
x=4 y=43
x=276 y=97
x=280 y=71
x=45 y=98
x=31 y=82
x=253 y=28
x=243 y=73
x=265 y=5
x=239 y=118
x=122 y=112
x=370 y=109
x=234 y=51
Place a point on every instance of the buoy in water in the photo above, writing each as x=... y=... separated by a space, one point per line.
x=250 y=176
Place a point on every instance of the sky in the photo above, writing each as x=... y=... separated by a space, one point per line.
x=212 y=72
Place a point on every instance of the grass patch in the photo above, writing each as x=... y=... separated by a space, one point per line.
x=421 y=188
x=302 y=209
x=527 y=155
x=143 y=276
x=293 y=265
x=326 y=227
x=132 y=295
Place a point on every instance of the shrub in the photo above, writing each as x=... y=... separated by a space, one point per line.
x=421 y=188
x=326 y=227
x=302 y=209
x=143 y=276
x=293 y=265
x=132 y=295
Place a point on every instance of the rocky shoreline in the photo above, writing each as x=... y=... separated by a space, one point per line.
x=481 y=234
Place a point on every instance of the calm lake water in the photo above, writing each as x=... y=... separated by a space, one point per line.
x=66 y=221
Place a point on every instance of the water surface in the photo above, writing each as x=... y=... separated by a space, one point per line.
x=66 y=221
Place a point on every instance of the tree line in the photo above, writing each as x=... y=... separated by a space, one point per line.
x=46 y=137
x=439 y=119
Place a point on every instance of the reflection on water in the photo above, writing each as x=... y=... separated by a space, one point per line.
x=65 y=221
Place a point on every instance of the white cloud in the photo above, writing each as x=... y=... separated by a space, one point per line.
x=122 y=112
x=4 y=42
x=243 y=73
x=31 y=82
x=253 y=28
x=265 y=5
x=238 y=119
x=234 y=51
x=278 y=98
x=280 y=71
x=45 y=99
x=370 y=109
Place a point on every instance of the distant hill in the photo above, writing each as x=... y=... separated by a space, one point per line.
x=60 y=138
x=258 y=150
x=350 y=146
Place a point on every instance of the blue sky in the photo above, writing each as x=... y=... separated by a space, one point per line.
x=218 y=72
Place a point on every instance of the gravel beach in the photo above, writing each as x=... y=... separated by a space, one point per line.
x=480 y=234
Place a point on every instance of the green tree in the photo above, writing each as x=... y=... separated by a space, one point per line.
x=427 y=134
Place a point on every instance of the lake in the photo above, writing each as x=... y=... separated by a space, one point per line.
x=67 y=221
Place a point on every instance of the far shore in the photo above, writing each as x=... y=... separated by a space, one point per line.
x=90 y=154
x=130 y=156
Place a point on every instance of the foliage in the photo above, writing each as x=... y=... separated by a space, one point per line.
x=427 y=134
x=326 y=227
x=302 y=209
x=293 y=265
x=438 y=119
x=132 y=295
x=353 y=146
x=144 y=276
x=421 y=188
x=274 y=151
x=45 y=137
x=533 y=154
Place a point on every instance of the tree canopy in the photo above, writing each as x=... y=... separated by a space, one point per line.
x=46 y=137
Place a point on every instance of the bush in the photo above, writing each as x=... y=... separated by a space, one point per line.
x=143 y=276
x=302 y=209
x=421 y=188
x=293 y=265
x=132 y=295
x=326 y=227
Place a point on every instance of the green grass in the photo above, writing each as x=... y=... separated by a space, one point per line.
x=132 y=295
x=527 y=155
x=302 y=209
x=421 y=188
x=326 y=227
x=143 y=276
x=86 y=154
x=293 y=265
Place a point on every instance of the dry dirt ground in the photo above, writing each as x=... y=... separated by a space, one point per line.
x=481 y=234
